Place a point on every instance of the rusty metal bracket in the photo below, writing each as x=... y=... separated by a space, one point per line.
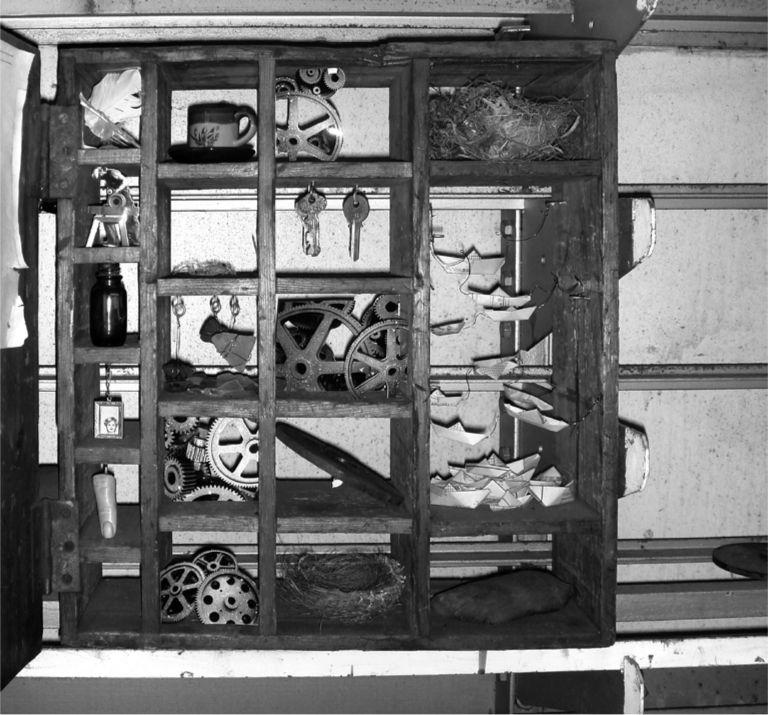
x=59 y=552
x=64 y=138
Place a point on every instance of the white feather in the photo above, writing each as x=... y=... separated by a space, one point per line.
x=118 y=95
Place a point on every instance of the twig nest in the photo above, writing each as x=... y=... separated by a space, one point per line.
x=353 y=587
x=487 y=120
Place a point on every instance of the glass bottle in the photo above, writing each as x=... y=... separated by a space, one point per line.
x=108 y=307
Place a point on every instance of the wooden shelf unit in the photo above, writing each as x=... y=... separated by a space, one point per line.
x=111 y=611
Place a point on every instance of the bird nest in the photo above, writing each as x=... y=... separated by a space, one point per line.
x=488 y=120
x=353 y=587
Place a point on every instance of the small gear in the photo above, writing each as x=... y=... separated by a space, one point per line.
x=179 y=584
x=228 y=597
x=385 y=368
x=233 y=451
x=169 y=436
x=387 y=307
x=178 y=477
x=196 y=448
x=182 y=425
x=211 y=560
x=213 y=492
x=285 y=84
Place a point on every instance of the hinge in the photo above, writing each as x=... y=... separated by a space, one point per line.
x=63 y=142
x=59 y=552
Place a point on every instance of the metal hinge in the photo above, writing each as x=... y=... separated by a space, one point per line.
x=59 y=552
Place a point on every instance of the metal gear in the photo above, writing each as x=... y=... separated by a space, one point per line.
x=179 y=584
x=211 y=560
x=178 y=477
x=228 y=597
x=285 y=84
x=214 y=492
x=196 y=452
x=386 y=370
x=181 y=425
x=169 y=437
x=232 y=450
x=387 y=307
x=312 y=127
x=305 y=360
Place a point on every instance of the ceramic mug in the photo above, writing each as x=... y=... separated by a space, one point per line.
x=218 y=125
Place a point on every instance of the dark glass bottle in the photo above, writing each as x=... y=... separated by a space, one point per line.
x=108 y=307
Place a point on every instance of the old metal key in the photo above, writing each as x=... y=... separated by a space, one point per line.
x=308 y=206
x=356 y=210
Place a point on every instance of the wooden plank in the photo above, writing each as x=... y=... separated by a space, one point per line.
x=124 y=547
x=171 y=404
x=154 y=113
x=342 y=404
x=209 y=516
x=509 y=173
x=343 y=172
x=106 y=255
x=574 y=518
x=229 y=175
x=126 y=354
x=266 y=347
x=343 y=284
x=114 y=451
x=741 y=376
x=109 y=156
x=474 y=50
x=208 y=285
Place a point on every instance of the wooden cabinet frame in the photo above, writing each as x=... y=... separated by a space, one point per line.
x=125 y=612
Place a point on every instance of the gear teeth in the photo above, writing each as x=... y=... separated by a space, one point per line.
x=222 y=492
x=178 y=476
x=241 y=594
x=182 y=425
x=179 y=586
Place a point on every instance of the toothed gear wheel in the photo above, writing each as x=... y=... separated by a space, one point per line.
x=228 y=597
x=182 y=425
x=368 y=370
x=178 y=476
x=214 y=492
x=285 y=84
x=305 y=360
x=195 y=451
x=311 y=127
x=232 y=450
x=387 y=307
x=212 y=560
x=169 y=437
x=179 y=585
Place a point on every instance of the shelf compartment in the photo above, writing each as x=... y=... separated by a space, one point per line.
x=106 y=254
x=208 y=285
x=229 y=175
x=509 y=173
x=342 y=284
x=209 y=516
x=569 y=627
x=113 y=451
x=171 y=404
x=112 y=615
x=533 y=518
x=126 y=354
x=342 y=173
x=342 y=404
x=124 y=547
x=312 y=505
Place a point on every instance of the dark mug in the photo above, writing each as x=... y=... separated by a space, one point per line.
x=218 y=125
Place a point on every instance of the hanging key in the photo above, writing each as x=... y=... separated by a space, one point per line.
x=308 y=207
x=356 y=210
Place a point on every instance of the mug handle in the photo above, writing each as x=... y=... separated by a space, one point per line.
x=250 y=130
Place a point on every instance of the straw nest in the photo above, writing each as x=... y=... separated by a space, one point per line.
x=488 y=120
x=351 y=587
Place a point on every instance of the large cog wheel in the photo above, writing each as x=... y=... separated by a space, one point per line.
x=179 y=585
x=312 y=126
x=233 y=451
x=306 y=362
x=228 y=597
x=378 y=358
